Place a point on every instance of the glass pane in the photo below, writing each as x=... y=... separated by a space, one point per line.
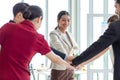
x=111 y=8
x=98 y=8
x=84 y=9
x=6 y=14
x=98 y=76
x=97 y=27
x=110 y=76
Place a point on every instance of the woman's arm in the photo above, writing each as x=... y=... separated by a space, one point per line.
x=56 y=59
x=59 y=53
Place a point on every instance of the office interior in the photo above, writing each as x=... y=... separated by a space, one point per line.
x=88 y=22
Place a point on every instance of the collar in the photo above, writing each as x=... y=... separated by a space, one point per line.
x=28 y=23
x=12 y=21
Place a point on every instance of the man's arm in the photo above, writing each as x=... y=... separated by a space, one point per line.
x=92 y=59
x=104 y=41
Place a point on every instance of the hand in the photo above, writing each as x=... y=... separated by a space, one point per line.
x=80 y=66
x=70 y=66
x=70 y=58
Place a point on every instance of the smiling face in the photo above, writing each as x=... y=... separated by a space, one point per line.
x=64 y=22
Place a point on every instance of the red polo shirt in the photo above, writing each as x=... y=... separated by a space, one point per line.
x=20 y=42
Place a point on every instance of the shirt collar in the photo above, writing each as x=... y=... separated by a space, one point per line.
x=28 y=23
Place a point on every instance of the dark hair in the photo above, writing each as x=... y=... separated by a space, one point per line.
x=117 y=1
x=112 y=18
x=19 y=7
x=60 y=14
x=33 y=12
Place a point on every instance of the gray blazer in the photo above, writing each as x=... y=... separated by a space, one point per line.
x=58 y=42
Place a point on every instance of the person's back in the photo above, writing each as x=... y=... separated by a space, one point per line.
x=17 y=50
x=19 y=42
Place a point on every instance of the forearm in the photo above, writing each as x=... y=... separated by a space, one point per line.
x=56 y=59
x=59 y=53
x=94 y=58
x=90 y=52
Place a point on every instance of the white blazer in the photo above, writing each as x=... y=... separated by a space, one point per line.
x=58 y=42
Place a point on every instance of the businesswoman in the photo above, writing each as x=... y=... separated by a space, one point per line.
x=62 y=40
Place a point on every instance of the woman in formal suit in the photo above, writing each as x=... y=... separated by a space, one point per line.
x=62 y=40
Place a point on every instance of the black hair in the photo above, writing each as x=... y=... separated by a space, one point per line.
x=60 y=14
x=33 y=12
x=19 y=7
x=117 y=1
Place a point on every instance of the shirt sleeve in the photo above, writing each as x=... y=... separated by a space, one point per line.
x=3 y=30
x=42 y=45
x=59 y=53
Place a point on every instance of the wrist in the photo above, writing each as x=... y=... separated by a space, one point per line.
x=65 y=58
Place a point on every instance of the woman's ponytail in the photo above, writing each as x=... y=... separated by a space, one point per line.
x=27 y=13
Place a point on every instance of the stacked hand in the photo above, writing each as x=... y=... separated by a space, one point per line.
x=69 y=60
x=80 y=66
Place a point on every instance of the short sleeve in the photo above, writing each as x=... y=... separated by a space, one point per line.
x=42 y=45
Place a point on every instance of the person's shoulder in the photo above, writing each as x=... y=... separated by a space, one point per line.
x=116 y=23
x=68 y=32
x=7 y=24
x=39 y=35
x=54 y=32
